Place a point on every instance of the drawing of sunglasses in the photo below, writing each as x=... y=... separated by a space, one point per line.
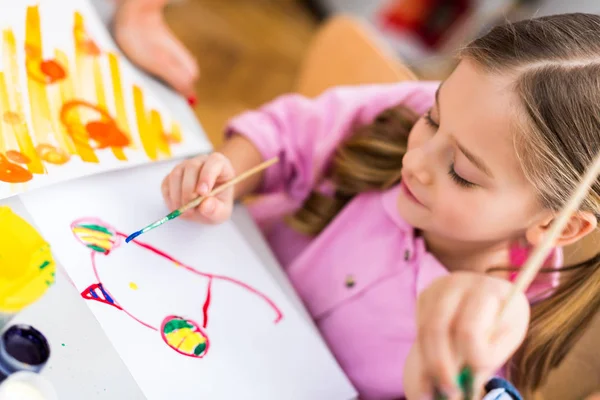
x=181 y=334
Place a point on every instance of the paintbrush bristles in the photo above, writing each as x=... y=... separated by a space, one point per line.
x=535 y=262
x=196 y=202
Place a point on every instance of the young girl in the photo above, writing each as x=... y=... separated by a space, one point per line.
x=395 y=208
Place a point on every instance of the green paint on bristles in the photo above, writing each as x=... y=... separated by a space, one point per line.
x=96 y=228
x=176 y=324
x=174 y=214
x=465 y=382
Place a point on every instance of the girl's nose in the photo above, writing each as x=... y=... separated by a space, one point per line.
x=415 y=166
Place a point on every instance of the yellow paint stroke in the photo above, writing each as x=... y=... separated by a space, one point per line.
x=38 y=97
x=133 y=286
x=61 y=134
x=190 y=342
x=14 y=103
x=16 y=134
x=97 y=234
x=176 y=134
x=146 y=134
x=27 y=268
x=106 y=244
x=84 y=68
x=9 y=141
x=175 y=337
x=67 y=92
x=101 y=98
x=119 y=94
x=158 y=133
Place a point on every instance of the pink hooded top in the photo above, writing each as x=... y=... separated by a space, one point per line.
x=360 y=278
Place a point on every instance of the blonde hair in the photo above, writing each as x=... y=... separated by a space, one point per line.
x=555 y=62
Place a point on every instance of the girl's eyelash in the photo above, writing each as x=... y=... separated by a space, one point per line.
x=429 y=121
x=455 y=177
x=458 y=179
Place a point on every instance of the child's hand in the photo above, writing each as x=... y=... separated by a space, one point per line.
x=198 y=176
x=145 y=38
x=457 y=316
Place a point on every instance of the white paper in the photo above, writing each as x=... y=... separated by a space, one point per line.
x=33 y=109
x=250 y=356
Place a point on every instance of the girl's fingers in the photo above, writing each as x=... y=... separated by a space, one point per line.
x=214 y=210
x=511 y=330
x=189 y=181
x=473 y=325
x=175 y=186
x=164 y=188
x=216 y=168
x=435 y=320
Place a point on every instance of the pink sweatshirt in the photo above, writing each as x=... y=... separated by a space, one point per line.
x=361 y=276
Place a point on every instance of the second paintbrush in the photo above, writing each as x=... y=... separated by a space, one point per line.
x=196 y=202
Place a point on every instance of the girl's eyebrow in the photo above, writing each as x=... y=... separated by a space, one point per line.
x=476 y=161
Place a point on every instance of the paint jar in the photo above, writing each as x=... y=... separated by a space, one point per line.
x=27 y=268
x=27 y=386
x=22 y=348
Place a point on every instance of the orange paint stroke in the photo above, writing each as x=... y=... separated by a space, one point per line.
x=104 y=131
x=83 y=42
x=11 y=117
x=175 y=136
x=18 y=157
x=101 y=98
x=52 y=154
x=67 y=92
x=45 y=72
x=13 y=173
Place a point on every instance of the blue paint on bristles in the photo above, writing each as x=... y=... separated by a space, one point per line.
x=133 y=236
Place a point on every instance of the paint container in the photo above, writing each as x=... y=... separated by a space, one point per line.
x=22 y=348
x=27 y=386
x=27 y=268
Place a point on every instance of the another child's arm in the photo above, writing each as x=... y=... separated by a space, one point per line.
x=143 y=35
x=456 y=318
x=302 y=132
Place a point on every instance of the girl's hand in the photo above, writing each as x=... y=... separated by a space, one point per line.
x=456 y=318
x=198 y=176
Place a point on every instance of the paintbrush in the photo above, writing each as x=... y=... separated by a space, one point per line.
x=535 y=261
x=196 y=202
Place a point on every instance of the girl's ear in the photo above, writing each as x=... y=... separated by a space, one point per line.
x=579 y=225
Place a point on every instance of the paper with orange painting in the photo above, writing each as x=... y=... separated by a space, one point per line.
x=69 y=105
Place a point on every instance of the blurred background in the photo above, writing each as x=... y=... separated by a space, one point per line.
x=250 y=51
